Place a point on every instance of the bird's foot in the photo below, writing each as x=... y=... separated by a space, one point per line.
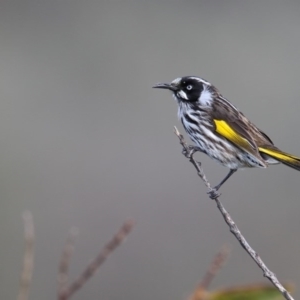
x=190 y=151
x=213 y=193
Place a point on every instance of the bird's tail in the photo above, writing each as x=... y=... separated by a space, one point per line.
x=283 y=157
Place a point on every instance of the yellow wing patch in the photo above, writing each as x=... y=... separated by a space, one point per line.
x=279 y=155
x=226 y=131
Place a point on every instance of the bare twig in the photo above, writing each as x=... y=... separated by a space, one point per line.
x=64 y=265
x=97 y=262
x=27 y=270
x=188 y=153
x=218 y=261
x=216 y=265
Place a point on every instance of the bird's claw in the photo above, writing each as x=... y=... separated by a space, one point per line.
x=213 y=194
x=189 y=151
x=185 y=152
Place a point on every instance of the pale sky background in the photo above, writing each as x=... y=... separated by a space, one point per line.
x=86 y=141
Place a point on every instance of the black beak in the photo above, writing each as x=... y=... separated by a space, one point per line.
x=166 y=86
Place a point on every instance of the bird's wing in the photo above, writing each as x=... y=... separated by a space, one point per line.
x=267 y=139
x=225 y=129
x=234 y=135
x=235 y=127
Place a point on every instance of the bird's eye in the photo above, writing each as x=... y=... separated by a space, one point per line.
x=189 y=87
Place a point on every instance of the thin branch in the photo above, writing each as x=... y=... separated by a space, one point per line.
x=27 y=270
x=98 y=261
x=188 y=152
x=64 y=265
x=214 y=268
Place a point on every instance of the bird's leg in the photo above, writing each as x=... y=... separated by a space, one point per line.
x=231 y=172
x=213 y=193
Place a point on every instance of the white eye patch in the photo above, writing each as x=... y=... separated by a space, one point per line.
x=189 y=87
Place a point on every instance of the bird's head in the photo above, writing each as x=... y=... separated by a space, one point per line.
x=190 y=89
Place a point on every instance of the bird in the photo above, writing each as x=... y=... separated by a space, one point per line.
x=220 y=130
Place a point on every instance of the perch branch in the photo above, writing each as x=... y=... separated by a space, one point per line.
x=188 y=152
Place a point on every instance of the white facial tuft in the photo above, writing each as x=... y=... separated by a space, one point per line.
x=206 y=97
x=181 y=94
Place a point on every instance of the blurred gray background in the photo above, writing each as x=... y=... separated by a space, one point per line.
x=86 y=142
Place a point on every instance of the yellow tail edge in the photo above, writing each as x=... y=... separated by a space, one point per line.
x=283 y=157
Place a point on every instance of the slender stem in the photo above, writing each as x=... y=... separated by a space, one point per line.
x=201 y=292
x=215 y=266
x=27 y=271
x=64 y=265
x=188 y=152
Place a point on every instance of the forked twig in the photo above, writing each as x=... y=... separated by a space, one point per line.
x=188 y=153
x=90 y=270
x=27 y=270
